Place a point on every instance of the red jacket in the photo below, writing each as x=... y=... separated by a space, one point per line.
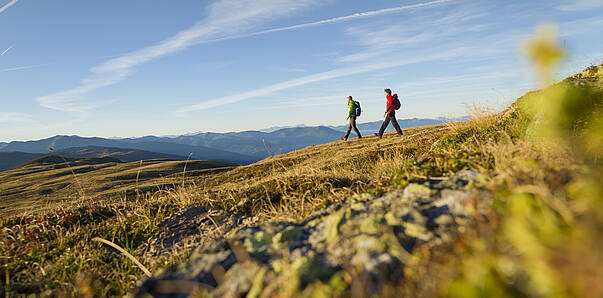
x=389 y=107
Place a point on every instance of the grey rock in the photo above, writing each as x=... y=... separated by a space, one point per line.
x=374 y=233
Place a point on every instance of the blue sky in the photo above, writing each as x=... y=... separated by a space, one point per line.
x=131 y=68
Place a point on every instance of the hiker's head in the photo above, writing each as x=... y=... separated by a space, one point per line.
x=349 y=98
x=388 y=91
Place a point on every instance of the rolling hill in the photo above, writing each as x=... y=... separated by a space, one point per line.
x=10 y=160
x=51 y=179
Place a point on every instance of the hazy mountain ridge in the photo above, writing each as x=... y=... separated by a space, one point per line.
x=236 y=147
x=62 y=142
x=261 y=144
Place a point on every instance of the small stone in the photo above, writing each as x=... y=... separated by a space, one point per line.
x=378 y=203
x=363 y=197
x=308 y=269
x=315 y=222
x=369 y=244
x=359 y=207
x=258 y=242
x=467 y=174
x=332 y=226
x=391 y=219
x=286 y=235
x=455 y=200
x=371 y=224
x=416 y=191
x=444 y=219
x=416 y=231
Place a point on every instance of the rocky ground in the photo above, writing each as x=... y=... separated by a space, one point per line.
x=371 y=236
x=188 y=228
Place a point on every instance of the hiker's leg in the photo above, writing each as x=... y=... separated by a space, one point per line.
x=395 y=123
x=347 y=133
x=353 y=124
x=384 y=126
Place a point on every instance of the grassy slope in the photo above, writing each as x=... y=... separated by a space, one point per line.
x=287 y=186
x=290 y=186
x=39 y=184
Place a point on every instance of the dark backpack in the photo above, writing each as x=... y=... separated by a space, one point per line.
x=358 y=109
x=396 y=102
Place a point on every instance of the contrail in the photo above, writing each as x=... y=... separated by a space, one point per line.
x=23 y=67
x=9 y=4
x=7 y=50
x=351 y=17
x=337 y=19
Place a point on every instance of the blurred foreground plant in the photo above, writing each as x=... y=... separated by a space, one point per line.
x=549 y=214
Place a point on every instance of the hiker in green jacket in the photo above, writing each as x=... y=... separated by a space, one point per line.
x=352 y=118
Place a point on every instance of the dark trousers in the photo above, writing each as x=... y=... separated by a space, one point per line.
x=391 y=117
x=350 y=126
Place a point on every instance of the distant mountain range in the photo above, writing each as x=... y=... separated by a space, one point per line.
x=234 y=147
x=58 y=143
x=257 y=144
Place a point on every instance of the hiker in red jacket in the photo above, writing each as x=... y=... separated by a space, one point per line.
x=390 y=113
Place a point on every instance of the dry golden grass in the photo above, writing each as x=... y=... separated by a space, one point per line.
x=122 y=204
x=290 y=186
x=47 y=186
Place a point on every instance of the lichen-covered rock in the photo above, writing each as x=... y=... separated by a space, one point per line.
x=308 y=269
x=416 y=191
x=288 y=234
x=370 y=235
x=258 y=242
x=188 y=228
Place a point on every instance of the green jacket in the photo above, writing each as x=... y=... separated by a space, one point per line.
x=351 y=109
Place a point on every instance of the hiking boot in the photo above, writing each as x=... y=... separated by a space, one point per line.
x=378 y=135
x=344 y=138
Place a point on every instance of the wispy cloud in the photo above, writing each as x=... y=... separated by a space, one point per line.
x=7 y=5
x=336 y=73
x=579 y=5
x=307 y=102
x=13 y=117
x=8 y=49
x=413 y=32
x=221 y=24
x=290 y=69
x=581 y=26
x=225 y=18
x=323 y=76
x=492 y=45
